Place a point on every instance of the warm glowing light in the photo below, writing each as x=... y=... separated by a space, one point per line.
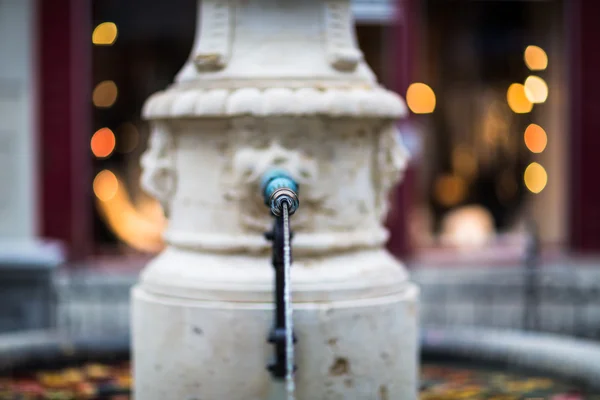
x=535 y=177
x=517 y=99
x=535 y=138
x=139 y=226
x=464 y=162
x=105 y=185
x=536 y=89
x=420 y=98
x=128 y=137
x=467 y=227
x=536 y=58
x=105 y=94
x=450 y=190
x=103 y=143
x=105 y=34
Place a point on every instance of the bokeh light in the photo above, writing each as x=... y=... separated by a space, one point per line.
x=536 y=89
x=517 y=99
x=535 y=138
x=103 y=143
x=105 y=94
x=128 y=137
x=467 y=227
x=105 y=185
x=535 y=177
x=105 y=34
x=420 y=98
x=450 y=190
x=139 y=225
x=536 y=58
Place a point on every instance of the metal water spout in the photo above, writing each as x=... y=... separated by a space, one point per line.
x=274 y=85
x=281 y=195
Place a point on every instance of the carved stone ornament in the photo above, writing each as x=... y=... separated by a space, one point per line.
x=250 y=164
x=213 y=51
x=391 y=163
x=158 y=165
x=342 y=52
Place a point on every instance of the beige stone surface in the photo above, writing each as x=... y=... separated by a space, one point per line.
x=361 y=349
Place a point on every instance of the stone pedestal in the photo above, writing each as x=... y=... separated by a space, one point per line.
x=274 y=83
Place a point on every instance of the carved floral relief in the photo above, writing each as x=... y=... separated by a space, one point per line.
x=344 y=181
x=158 y=165
x=392 y=159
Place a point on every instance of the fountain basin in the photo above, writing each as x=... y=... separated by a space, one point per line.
x=457 y=363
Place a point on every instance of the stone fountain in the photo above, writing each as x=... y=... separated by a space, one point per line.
x=274 y=83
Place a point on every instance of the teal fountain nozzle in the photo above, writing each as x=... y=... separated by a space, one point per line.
x=278 y=187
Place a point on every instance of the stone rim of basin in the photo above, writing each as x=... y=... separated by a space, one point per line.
x=561 y=357
x=51 y=349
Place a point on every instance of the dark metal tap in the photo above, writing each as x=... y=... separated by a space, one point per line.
x=280 y=194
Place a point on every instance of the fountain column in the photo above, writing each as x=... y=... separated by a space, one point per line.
x=274 y=83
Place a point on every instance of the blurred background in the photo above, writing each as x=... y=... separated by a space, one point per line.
x=498 y=217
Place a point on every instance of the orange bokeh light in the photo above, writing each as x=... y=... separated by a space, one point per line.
x=103 y=143
x=105 y=185
x=450 y=190
x=420 y=98
x=535 y=138
x=536 y=58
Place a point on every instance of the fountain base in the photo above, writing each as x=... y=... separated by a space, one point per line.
x=355 y=344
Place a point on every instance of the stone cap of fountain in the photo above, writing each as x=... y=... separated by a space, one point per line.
x=275 y=58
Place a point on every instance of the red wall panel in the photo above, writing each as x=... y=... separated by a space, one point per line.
x=64 y=44
x=584 y=32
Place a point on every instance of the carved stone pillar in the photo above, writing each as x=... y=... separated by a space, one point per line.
x=274 y=83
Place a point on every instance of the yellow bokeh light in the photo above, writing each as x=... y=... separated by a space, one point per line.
x=105 y=185
x=536 y=58
x=535 y=138
x=103 y=143
x=450 y=190
x=535 y=177
x=105 y=34
x=420 y=98
x=536 y=89
x=517 y=99
x=105 y=94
